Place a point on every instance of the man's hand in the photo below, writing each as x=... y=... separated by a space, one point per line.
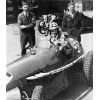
x=22 y=26
x=41 y=23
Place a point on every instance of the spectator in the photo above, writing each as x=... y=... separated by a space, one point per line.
x=73 y=22
x=26 y=22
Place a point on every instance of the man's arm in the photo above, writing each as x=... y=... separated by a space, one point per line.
x=64 y=25
x=20 y=22
x=82 y=24
x=33 y=21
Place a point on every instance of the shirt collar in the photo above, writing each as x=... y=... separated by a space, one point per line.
x=24 y=14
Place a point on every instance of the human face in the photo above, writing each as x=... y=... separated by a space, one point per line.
x=25 y=7
x=54 y=32
x=71 y=8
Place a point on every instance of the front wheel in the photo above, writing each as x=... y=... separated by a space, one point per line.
x=88 y=68
x=38 y=93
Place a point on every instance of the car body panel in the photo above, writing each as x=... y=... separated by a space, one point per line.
x=30 y=64
x=50 y=61
x=37 y=61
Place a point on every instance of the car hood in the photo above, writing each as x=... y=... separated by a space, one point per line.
x=31 y=63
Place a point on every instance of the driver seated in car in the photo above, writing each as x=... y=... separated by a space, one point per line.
x=55 y=38
x=52 y=38
x=59 y=41
x=63 y=42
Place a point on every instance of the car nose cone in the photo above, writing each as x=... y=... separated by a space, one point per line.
x=13 y=94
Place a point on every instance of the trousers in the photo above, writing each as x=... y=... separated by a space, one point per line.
x=27 y=37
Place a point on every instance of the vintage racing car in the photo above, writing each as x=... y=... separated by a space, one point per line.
x=46 y=71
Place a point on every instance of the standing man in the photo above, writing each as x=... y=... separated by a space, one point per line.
x=73 y=22
x=26 y=22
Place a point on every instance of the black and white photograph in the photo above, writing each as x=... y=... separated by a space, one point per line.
x=49 y=49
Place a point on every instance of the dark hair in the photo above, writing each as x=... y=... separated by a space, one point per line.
x=71 y=3
x=58 y=32
x=24 y=3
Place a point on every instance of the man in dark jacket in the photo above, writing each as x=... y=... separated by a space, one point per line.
x=73 y=22
x=26 y=22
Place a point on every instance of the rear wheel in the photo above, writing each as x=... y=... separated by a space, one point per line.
x=88 y=68
x=38 y=93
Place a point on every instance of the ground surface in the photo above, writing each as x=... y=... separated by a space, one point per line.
x=78 y=91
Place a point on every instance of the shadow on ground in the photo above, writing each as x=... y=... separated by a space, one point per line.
x=78 y=87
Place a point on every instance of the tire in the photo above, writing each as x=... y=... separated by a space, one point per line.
x=88 y=68
x=37 y=93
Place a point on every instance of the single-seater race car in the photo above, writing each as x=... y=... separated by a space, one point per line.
x=46 y=70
